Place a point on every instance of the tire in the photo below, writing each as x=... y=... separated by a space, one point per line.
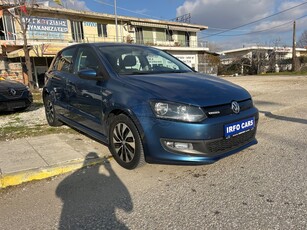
x=50 y=112
x=125 y=142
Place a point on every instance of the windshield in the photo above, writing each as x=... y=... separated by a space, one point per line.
x=131 y=60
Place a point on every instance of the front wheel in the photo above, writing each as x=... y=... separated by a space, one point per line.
x=51 y=115
x=125 y=143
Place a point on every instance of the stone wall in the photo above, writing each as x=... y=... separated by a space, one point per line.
x=11 y=71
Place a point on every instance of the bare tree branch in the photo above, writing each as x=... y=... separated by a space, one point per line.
x=302 y=42
x=22 y=12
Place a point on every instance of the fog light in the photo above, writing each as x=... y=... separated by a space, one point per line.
x=169 y=144
x=179 y=145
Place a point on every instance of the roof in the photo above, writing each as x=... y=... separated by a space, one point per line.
x=251 y=48
x=69 y=13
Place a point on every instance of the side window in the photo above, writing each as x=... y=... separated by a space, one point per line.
x=63 y=61
x=86 y=59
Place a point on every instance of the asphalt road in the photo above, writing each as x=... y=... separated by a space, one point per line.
x=263 y=187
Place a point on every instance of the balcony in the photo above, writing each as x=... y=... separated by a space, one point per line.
x=46 y=37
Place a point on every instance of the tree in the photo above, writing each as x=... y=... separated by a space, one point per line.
x=40 y=49
x=302 y=42
x=21 y=11
x=213 y=47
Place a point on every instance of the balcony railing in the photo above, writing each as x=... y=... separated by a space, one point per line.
x=35 y=38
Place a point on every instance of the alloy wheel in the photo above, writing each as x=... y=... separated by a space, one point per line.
x=124 y=142
x=50 y=111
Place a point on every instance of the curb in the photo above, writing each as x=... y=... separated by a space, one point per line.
x=46 y=172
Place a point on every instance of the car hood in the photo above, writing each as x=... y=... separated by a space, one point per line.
x=5 y=84
x=191 y=88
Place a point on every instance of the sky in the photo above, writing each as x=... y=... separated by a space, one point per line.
x=221 y=16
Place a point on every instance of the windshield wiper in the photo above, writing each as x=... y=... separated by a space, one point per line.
x=153 y=72
x=175 y=71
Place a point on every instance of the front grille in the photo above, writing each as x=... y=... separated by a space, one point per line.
x=224 y=110
x=224 y=145
x=8 y=95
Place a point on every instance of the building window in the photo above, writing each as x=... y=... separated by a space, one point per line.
x=139 y=35
x=169 y=35
x=187 y=39
x=7 y=28
x=77 y=31
x=102 y=30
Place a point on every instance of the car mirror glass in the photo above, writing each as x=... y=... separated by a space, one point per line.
x=89 y=74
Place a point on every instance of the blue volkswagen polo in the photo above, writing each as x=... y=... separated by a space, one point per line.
x=147 y=106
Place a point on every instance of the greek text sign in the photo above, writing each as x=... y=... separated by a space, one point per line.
x=47 y=25
x=48 y=28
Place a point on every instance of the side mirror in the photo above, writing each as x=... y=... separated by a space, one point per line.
x=89 y=74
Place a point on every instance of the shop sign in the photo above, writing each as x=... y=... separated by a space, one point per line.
x=46 y=28
x=190 y=60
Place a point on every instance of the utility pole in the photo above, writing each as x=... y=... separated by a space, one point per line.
x=116 y=26
x=294 y=59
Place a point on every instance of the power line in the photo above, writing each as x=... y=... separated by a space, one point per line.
x=261 y=31
x=131 y=11
x=223 y=29
x=258 y=20
x=258 y=31
x=281 y=25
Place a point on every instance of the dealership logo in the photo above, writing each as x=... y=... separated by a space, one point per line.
x=235 y=107
x=12 y=91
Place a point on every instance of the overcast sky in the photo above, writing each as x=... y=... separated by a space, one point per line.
x=219 y=16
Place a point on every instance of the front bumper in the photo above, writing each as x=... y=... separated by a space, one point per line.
x=19 y=102
x=207 y=139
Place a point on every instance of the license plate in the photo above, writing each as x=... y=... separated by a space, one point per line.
x=239 y=127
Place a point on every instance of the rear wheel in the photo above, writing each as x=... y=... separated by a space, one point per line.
x=125 y=143
x=50 y=112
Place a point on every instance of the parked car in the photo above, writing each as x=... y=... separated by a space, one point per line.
x=147 y=106
x=14 y=96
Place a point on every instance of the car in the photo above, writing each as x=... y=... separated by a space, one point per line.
x=147 y=106
x=14 y=96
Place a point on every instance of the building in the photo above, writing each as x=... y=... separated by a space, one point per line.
x=263 y=58
x=51 y=29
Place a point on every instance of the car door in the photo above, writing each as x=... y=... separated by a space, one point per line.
x=86 y=100
x=58 y=75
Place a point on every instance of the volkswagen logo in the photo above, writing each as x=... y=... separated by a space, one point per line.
x=12 y=91
x=235 y=107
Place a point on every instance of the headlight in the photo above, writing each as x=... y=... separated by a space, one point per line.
x=176 y=111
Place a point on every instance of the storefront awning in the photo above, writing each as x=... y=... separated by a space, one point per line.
x=15 y=53
x=179 y=28
x=176 y=28
x=146 y=24
x=36 y=51
x=10 y=48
